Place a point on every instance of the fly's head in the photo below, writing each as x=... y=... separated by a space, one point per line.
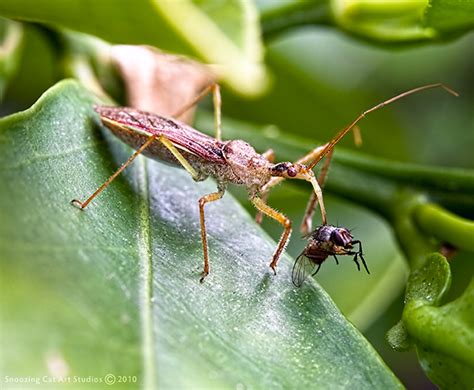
x=342 y=237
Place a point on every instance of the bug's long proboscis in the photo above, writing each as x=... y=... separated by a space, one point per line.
x=330 y=145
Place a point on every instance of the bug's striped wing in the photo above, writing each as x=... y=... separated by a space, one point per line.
x=183 y=136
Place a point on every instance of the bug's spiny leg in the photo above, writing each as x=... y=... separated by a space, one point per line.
x=272 y=213
x=335 y=258
x=318 y=193
x=330 y=145
x=193 y=102
x=83 y=205
x=216 y=98
x=206 y=199
x=179 y=156
x=270 y=156
x=271 y=183
x=307 y=222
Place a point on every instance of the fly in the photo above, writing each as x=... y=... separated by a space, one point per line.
x=325 y=241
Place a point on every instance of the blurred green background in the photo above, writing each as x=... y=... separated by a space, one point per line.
x=321 y=79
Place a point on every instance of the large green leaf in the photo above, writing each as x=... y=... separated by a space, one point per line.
x=115 y=289
x=222 y=33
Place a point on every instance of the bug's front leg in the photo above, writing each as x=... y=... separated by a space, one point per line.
x=307 y=221
x=270 y=156
x=202 y=201
x=272 y=213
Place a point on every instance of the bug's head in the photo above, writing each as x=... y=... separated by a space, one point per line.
x=289 y=170
x=342 y=237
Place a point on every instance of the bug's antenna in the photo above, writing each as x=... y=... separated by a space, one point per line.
x=330 y=145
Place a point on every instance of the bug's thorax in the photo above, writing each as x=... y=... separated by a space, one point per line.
x=246 y=166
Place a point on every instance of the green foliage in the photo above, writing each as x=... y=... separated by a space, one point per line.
x=127 y=270
x=224 y=33
x=398 y=22
x=443 y=334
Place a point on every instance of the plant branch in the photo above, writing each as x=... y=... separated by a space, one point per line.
x=445 y=226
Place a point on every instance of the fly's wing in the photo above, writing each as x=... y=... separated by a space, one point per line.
x=302 y=268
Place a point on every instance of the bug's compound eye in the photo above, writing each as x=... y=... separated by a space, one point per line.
x=287 y=169
x=292 y=171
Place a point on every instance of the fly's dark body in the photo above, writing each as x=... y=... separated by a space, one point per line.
x=325 y=241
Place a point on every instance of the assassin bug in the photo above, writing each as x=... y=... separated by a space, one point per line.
x=325 y=241
x=233 y=161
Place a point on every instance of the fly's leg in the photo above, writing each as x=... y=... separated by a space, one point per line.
x=306 y=224
x=270 y=156
x=161 y=138
x=216 y=98
x=317 y=269
x=267 y=210
x=206 y=199
x=361 y=255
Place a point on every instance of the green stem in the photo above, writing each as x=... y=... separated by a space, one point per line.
x=445 y=226
x=278 y=16
x=442 y=178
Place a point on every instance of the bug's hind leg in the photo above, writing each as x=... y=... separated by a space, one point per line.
x=83 y=205
x=165 y=141
x=217 y=102
x=202 y=202
x=270 y=156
